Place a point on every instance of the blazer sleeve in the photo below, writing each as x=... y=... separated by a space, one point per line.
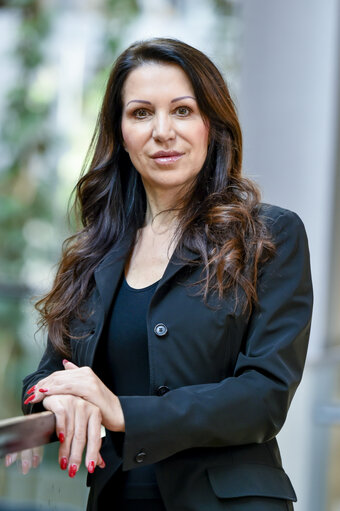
x=251 y=405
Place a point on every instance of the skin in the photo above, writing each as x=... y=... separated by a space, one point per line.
x=81 y=403
x=153 y=119
x=163 y=125
x=25 y=459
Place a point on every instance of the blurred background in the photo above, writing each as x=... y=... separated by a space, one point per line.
x=280 y=59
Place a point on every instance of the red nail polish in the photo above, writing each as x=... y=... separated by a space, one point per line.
x=30 y=398
x=102 y=463
x=91 y=467
x=61 y=437
x=72 y=470
x=30 y=390
x=25 y=467
x=35 y=461
x=43 y=390
x=65 y=361
x=63 y=463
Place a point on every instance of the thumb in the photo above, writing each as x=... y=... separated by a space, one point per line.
x=69 y=365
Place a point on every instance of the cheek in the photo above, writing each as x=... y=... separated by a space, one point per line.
x=133 y=138
x=201 y=137
x=126 y=135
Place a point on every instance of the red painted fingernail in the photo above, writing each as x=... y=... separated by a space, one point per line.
x=30 y=390
x=63 y=463
x=91 y=467
x=35 y=461
x=102 y=463
x=43 y=390
x=65 y=361
x=72 y=470
x=30 y=398
x=61 y=437
x=25 y=467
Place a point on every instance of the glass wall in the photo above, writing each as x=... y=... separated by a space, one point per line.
x=55 y=59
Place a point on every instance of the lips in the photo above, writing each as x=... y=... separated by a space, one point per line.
x=164 y=157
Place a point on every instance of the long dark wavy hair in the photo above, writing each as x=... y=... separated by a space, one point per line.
x=218 y=217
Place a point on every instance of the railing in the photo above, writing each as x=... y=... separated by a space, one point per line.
x=19 y=433
x=30 y=485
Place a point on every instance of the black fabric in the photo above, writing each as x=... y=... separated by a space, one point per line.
x=124 y=357
x=231 y=378
x=114 y=497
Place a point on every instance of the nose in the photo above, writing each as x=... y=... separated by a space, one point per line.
x=163 y=128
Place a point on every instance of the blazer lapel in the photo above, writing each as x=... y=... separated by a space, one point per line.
x=175 y=264
x=108 y=273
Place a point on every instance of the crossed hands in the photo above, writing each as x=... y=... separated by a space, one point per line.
x=81 y=403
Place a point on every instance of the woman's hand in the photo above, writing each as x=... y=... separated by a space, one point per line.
x=26 y=459
x=78 y=423
x=81 y=382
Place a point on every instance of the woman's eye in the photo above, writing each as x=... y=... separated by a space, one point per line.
x=141 y=113
x=183 y=110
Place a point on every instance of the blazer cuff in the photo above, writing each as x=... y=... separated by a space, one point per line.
x=145 y=440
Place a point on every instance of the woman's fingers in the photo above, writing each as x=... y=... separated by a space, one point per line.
x=78 y=381
x=79 y=436
x=64 y=425
x=94 y=440
x=78 y=423
x=11 y=458
x=84 y=383
x=101 y=463
x=38 y=453
x=27 y=459
x=69 y=365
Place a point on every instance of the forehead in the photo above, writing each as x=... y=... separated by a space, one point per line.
x=156 y=80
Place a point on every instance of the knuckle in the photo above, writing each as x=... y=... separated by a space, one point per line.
x=79 y=436
x=60 y=412
x=96 y=414
x=81 y=405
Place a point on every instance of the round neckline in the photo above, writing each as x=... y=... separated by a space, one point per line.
x=138 y=289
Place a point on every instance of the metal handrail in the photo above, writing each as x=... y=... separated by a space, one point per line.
x=25 y=432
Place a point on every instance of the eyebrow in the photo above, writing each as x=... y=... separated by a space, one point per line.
x=149 y=102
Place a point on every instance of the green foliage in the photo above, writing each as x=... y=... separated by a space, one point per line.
x=34 y=193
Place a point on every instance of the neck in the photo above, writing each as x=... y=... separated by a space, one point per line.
x=157 y=215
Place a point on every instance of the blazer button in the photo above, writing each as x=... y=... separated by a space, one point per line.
x=160 y=329
x=140 y=456
x=163 y=389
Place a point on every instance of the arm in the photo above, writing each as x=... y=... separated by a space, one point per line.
x=250 y=406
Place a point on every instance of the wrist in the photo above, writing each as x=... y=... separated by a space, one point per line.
x=115 y=420
x=120 y=416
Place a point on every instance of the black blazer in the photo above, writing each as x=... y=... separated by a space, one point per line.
x=220 y=385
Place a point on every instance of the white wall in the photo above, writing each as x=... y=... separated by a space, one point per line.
x=288 y=110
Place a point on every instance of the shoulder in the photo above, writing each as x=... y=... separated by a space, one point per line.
x=277 y=217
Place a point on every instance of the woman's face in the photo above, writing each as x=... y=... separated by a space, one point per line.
x=162 y=127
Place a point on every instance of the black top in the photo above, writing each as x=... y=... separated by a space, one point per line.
x=126 y=368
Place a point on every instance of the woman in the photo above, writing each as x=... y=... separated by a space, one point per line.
x=183 y=305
